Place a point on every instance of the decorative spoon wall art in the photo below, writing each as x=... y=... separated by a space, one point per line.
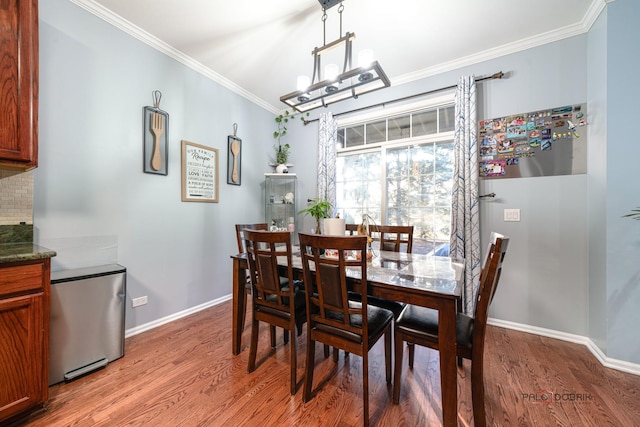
x=234 y=157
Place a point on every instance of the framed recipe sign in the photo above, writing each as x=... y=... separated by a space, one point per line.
x=199 y=173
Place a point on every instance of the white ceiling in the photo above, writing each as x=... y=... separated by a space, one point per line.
x=259 y=47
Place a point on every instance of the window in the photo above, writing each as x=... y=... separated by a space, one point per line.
x=399 y=170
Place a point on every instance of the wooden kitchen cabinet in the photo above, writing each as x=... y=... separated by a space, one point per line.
x=24 y=337
x=19 y=84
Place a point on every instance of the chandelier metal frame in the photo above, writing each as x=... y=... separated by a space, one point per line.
x=350 y=83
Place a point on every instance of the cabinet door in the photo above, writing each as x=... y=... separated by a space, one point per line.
x=19 y=84
x=22 y=354
x=280 y=203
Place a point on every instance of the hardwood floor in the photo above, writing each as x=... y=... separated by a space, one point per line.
x=183 y=374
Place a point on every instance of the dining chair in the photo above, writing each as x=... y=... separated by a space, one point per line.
x=332 y=319
x=240 y=233
x=394 y=238
x=419 y=325
x=351 y=229
x=241 y=250
x=275 y=303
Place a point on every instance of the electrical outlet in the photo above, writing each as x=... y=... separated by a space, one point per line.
x=137 y=302
x=512 y=215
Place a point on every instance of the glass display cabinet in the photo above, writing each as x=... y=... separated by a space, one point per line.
x=280 y=201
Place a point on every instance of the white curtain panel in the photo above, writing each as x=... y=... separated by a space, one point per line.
x=327 y=136
x=465 y=223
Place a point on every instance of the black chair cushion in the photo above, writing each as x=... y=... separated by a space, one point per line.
x=377 y=318
x=423 y=322
x=394 y=306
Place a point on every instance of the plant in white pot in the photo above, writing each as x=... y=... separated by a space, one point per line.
x=318 y=208
x=282 y=156
x=282 y=149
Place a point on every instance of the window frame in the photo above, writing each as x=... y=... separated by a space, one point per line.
x=383 y=146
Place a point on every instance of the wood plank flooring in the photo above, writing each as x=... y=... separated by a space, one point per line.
x=183 y=374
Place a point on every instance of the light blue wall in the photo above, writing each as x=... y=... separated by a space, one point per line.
x=91 y=198
x=545 y=284
x=623 y=191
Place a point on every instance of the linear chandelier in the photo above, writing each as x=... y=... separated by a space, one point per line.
x=329 y=85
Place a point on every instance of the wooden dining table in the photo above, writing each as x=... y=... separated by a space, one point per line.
x=425 y=280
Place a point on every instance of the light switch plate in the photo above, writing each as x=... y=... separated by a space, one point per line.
x=512 y=215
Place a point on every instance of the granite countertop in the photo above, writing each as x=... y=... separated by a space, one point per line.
x=15 y=252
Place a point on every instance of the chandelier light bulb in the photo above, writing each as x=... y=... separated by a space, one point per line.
x=303 y=83
x=365 y=57
x=331 y=71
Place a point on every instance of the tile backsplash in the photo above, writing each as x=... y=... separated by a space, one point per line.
x=16 y=197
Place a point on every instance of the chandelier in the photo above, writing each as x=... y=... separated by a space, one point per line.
x=330 y=85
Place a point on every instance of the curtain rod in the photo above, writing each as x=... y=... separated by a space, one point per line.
x=497 y=75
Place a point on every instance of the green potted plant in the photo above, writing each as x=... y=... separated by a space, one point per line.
x=282 y=154
x=318 y=208
x=282 y=150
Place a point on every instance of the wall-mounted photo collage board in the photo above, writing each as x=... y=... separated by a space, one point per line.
x=539 y=143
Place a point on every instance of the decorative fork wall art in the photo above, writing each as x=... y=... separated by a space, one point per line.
x=155 y=136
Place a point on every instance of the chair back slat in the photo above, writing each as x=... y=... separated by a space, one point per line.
x=331 y=286
x=267 y=272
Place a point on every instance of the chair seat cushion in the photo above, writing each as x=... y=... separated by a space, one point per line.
x=378 y=319
x=423 y=322
x=394 y=306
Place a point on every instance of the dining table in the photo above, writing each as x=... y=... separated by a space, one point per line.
x=425 y=280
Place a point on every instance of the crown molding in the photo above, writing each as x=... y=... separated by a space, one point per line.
x=147 y=38
x=518 y=46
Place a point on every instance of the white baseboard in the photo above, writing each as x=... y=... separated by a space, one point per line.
x=620 y=365
x=179 y=315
